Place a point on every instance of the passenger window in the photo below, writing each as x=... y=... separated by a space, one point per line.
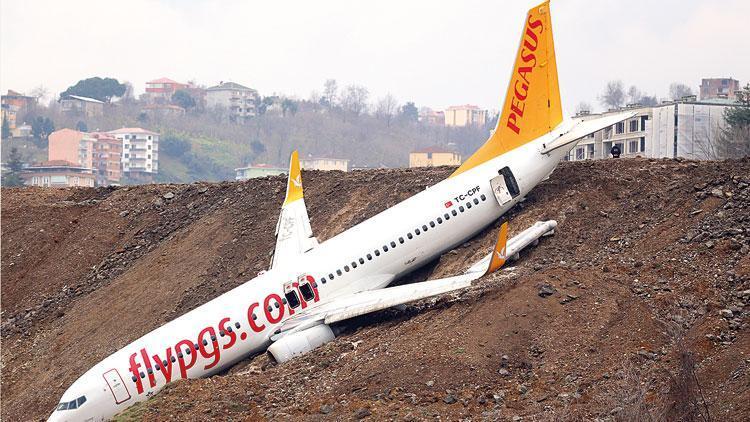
x=369 y=257
x=361 y=261
x=468 y=205
x=461 y=208
x=432 y=224
x=323 y=280
x=307 y=291
x=346 y=268
x=440 y=220
x=424 y=227
x=484 y=198
x=400 y=240
x=409 y=235
x=338 y=272
x=377 y=252
x=385 y=248
x=476 y=201
x=354 y=264
x=417 y=232
x=447 y=216
x=393 y=244
x=330 y=276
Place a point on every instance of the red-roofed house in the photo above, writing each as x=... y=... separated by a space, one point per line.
x=160 y=91
x=433 y=157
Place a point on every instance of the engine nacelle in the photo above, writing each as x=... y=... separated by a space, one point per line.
x=297 y=344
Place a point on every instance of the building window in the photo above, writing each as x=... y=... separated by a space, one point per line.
x=634 y=125
x=580 y=153
x=643 y=122
x=620 y=128
x=590 y=151
x=633 y=146
x=643 y=143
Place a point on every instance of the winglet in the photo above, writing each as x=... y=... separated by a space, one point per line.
x=294 y=184
x=499 y=254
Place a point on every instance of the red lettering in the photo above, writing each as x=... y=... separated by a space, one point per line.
x=522 y=71
x=302 y=300
x=517 y=107
x=165 y=369
x=536 y=24
x=269 y=314
x=314 y=286
x=531 y=37
x=136 y=373
x=528 y=57
x=512 y=123
x=149 y=369
x=227 y=332
x=181 y=358
x=519 y=95
x=215 y=351
x=250 y=318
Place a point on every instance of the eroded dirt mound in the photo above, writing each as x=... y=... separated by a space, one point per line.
x=636 y=306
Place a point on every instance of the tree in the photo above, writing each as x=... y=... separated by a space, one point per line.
x=174 y=146
x=583 y=108
x=613 y=95
x=735 y=137
x=386 y=108
x=649 y=100
x=634 y=95
x=678 y=90
x=6 y=128
x=102 y=89
x=354 y=99
x=409 y=112
x=81 y=126
x=40 y=93
x=330 y=92
x=41 y=127
x=183 y=99
x=289 y=105
x=12 y=177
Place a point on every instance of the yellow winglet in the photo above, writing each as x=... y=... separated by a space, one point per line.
x=499 y=253
x=294 y=185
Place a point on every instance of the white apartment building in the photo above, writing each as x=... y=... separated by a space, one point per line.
x=140 y=153
x=685 y=129
x=238 y=100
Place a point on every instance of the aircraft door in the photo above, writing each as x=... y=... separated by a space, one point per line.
x=116 y=386
x=504 y=186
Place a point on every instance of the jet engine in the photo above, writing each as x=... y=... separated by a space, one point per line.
x=299 y=343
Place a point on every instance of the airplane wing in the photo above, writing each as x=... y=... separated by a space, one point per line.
x=293 y=232
x=361 y=303
x=585 y=127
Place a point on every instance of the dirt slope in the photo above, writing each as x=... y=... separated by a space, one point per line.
x=643 y=291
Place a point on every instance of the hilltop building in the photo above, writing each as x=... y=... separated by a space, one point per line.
x=58 y=174
x=71 y=146
x=684 y=129
x=85 y=106
x=258 y=170
x=237 y=99
x=434 y=156
x=140 y=153
x=324 y=163
x=465 y=115
x=160 y=91
x=14 y=104
x=719 y=88
x=431 y=117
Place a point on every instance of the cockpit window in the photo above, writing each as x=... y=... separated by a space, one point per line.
x=73 y=404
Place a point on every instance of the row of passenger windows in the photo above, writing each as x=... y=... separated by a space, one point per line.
x=418 y=231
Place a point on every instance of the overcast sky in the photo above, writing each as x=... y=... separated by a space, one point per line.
x=432 y=52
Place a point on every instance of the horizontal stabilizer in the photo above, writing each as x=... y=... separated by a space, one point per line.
x=583 y=128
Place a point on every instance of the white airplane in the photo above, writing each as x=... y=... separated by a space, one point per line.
x=288 y=310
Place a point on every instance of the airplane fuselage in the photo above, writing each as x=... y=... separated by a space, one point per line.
x=368 y=256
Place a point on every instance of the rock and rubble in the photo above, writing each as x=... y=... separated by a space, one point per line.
x=646 y=291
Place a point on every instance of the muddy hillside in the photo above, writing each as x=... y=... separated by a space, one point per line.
x=637 y=308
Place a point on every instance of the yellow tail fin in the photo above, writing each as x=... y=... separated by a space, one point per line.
x=532 y=103
x=499 y=253
x=294 y=184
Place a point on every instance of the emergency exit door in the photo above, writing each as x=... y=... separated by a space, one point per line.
x=117 y=386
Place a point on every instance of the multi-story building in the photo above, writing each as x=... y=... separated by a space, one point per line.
x=238 y=100
x=58 y=174
x=684 y=129
x=160 y=91
x=84 y=106
x=14 y=104
x=325 y=164
x=257 y=170
x=140 y=153
x=433 y=157
x=432 y=117
x=107 y=159
x=719 y=88
x=72 y=146
x=465 y=115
